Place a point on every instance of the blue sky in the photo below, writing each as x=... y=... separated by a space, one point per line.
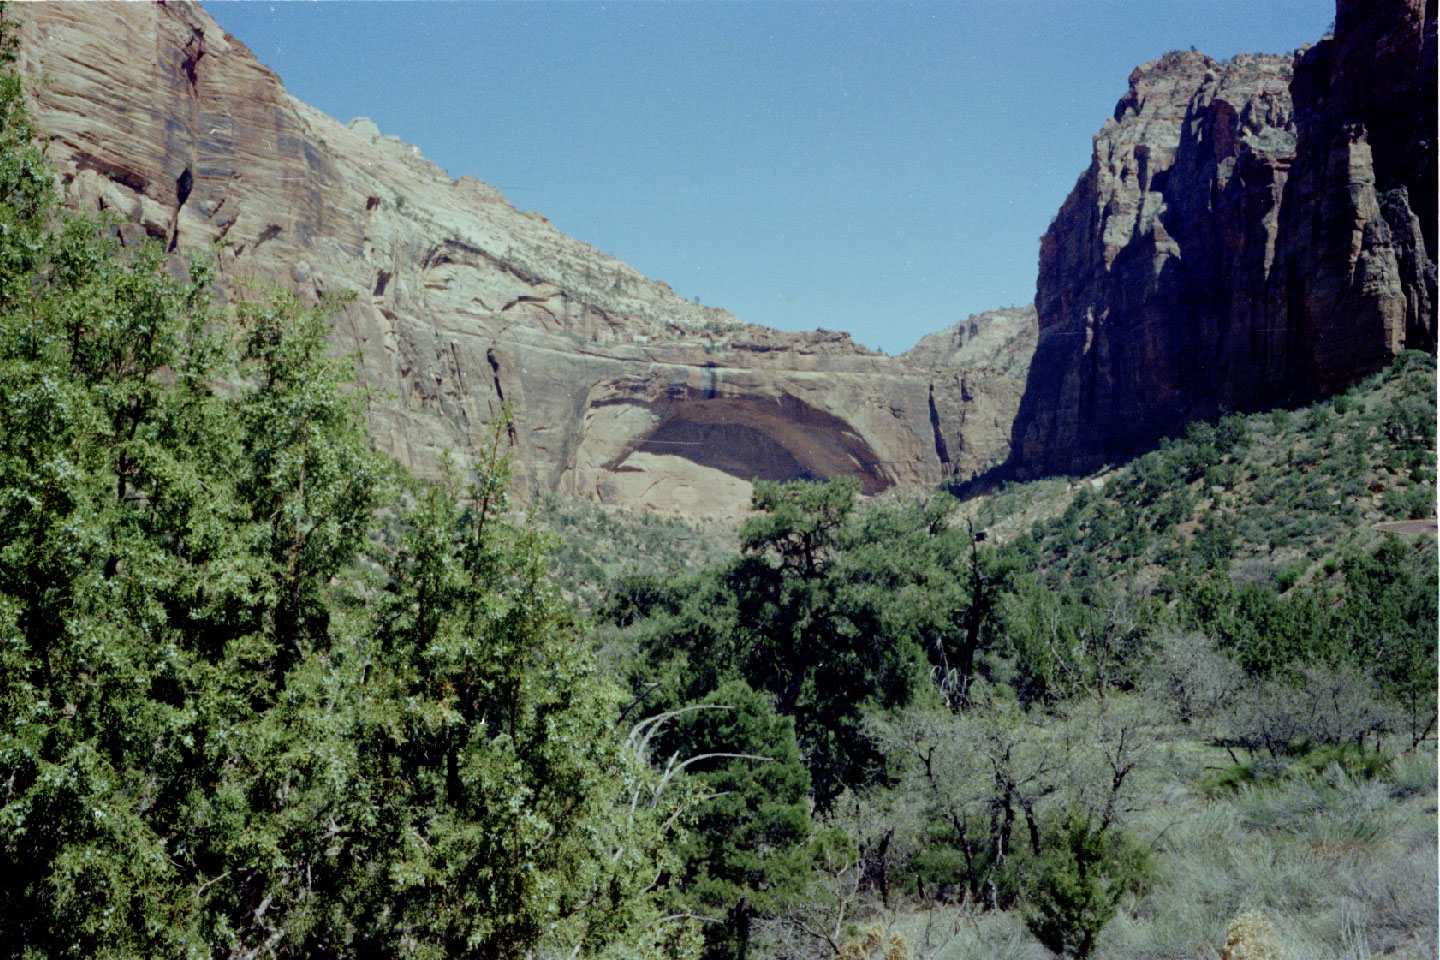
x=881 y=168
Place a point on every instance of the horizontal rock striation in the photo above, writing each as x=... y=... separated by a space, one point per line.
x=1248 y=233
x=621 y=390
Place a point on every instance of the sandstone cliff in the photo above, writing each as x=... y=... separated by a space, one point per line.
x=1355 y=266
x=1248 y=233
x=621 y=390
x=1001 y=340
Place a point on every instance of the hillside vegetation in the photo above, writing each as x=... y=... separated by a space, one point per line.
x=1262 y=492
x=596 y=546
x=1101 y=716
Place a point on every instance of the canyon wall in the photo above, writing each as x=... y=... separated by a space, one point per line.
x=1001 y=340
x=1356 y=277
x=621 y=390
x=1248 y=233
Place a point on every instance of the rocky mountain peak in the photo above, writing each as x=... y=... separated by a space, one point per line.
x=1002 y=340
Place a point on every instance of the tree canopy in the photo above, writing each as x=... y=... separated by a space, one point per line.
x=262 y=694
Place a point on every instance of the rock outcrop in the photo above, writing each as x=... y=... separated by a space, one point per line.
x=1248 y=233
x=621 y=391
x=1001 y=340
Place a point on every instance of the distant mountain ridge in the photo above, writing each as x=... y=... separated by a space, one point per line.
x=1249 y=233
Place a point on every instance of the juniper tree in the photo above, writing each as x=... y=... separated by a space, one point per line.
x=233 y=720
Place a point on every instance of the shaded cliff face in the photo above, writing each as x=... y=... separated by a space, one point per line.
x=976 y=373
x=621 y=390
x=1248 y=233
x=1355 y=278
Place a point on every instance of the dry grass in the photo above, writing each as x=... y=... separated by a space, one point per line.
x=1341 y=869
x=1325 y=869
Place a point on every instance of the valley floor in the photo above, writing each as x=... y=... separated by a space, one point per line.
x=1329 y=868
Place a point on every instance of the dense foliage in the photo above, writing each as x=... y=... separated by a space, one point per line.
x=1272 y=495
x=233 y=720
x=596 y=545
x=980 y=714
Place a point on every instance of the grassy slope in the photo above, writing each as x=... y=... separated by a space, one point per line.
x=1338 y=868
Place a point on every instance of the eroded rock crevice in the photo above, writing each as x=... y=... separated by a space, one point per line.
x=184 y=184
x=194 y=52
x=942 y=451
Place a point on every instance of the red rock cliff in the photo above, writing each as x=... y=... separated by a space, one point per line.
x=1248 y=233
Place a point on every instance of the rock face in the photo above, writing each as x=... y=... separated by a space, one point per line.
x=1356 y=261
x=1248 y=233
x=621 y=391
x=1001 y=340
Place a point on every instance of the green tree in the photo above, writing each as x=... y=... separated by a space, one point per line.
x=1073 y=641
x=1078 y=881
x=1264 y=631
x=27 y=197
x=830 y=611
x=108 y=540
x=306 y=470
x=799 y=522
x=817 y=622
x=494 y=736
x=1387 y=622
x=232 y=720
x=746 y=854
